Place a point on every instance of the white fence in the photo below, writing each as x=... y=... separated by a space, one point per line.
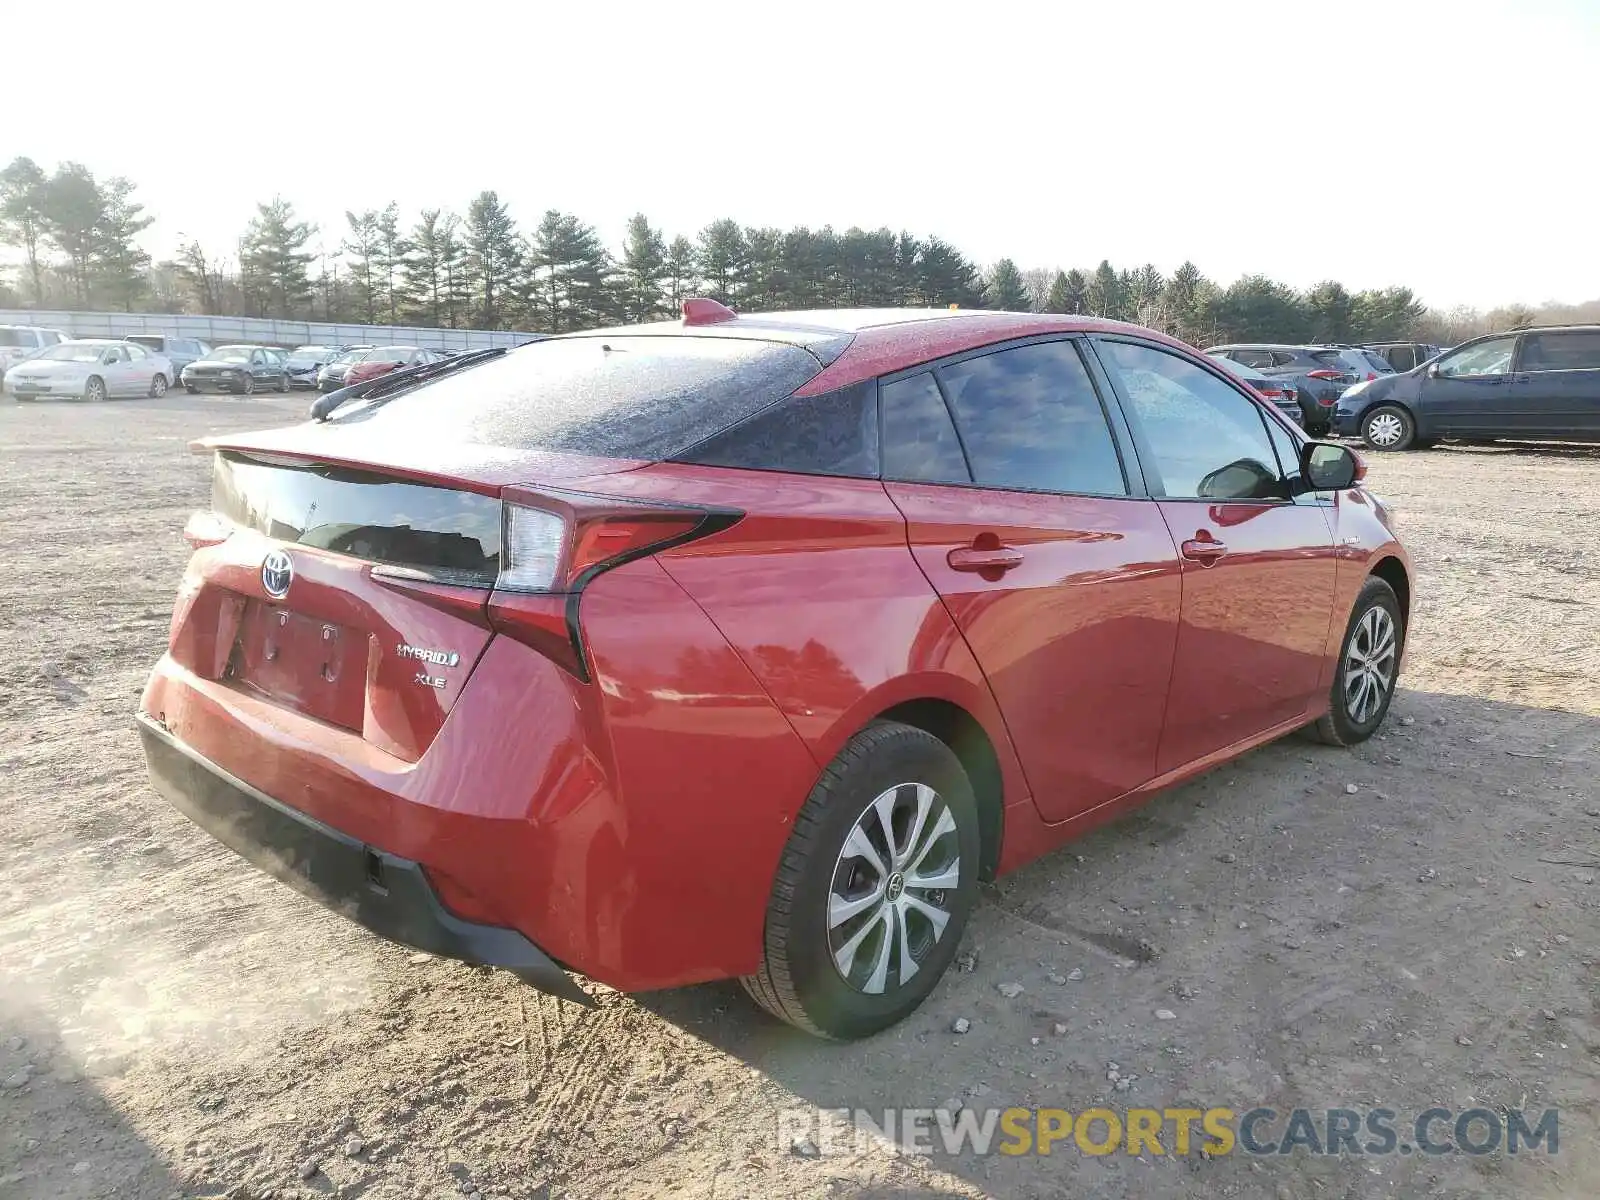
x=218 y=330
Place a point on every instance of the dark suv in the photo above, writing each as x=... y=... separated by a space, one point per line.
x=1320 y=373
x=1402 y=356
x=1530 y=383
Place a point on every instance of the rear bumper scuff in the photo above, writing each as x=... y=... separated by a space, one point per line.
x=388 y=895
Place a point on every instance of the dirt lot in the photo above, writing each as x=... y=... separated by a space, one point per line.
x=173 y=1024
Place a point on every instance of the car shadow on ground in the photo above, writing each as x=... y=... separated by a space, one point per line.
x=1501 y=446
x=1397 y=925
x=61 y=1138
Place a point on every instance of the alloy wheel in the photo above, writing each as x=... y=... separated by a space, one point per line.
x=888 y=904
x=1369 y=665
x=158 y=386
x=1385 y=429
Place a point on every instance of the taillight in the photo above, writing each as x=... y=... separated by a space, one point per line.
x=1324 y=374
x=554 y=543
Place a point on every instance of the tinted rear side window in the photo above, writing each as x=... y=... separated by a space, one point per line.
x=835 y=433
x=621 y=397
x=919 y=440
x=1029 y=418
x=1577 y=351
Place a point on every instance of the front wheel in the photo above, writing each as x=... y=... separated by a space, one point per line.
x=1388 y=427
x=874 y=888
x=1369 y=662
x=190 y=388
x=95 y=389
x=248 y=387
x=283 y=383
x=158 y=386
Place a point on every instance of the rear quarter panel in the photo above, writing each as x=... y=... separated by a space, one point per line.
x=818 y=593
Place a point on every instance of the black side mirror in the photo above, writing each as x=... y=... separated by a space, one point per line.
x=1330 y=467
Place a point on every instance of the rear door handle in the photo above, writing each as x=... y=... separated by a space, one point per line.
x=970 y=558
x=1204 y=552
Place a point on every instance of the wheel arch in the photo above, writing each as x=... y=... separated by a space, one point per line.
x=969 y=741
x=1393 y=572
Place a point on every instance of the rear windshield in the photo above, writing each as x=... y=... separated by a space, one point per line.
x=15 y=337
x=618 y=397
x=439 y=534
x=154 y=341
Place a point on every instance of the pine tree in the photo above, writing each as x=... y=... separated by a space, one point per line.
x=722 y=258
x=120 y=266
x=1058 y=299
x=1077 y=292
x=945 y=276
x=678 y=273
x=642 y=272
x=361 y=244
x=493 y=256
x=274 y=251
x=765 y=284
x=23 y=193
x=1105 y=292
x=390 y=258
x=570 y=284
x=1331 y=310
x=423 y=272
x=1146 y=296
x=1182 y=300
x=1005 y=289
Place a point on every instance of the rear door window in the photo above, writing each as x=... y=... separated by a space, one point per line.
x=1256 y=358
x=919 y=439
x=1029 y=418
x=1578 y=350
x=1208 y=439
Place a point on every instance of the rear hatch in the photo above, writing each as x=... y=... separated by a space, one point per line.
x=348 y=572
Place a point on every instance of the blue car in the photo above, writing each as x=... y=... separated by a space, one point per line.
x=1537 y=384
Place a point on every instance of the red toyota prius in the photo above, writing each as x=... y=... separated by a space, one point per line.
x=746 y=646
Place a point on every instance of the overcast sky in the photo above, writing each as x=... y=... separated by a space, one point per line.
x=1449 y=146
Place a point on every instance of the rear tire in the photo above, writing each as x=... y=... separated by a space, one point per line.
x=855 y=936
x=1369 y=664
x=1388 y=427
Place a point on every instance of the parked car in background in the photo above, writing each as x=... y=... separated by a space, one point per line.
x=383 y=359
x=1320 y=374
x=1531 y=383
x=18 y=342
x=180 y=351
x=332 y=373
x=241 y=369
x=90 y=368
x=1281 y=392
x=305 y=361
x=750 y=646
x=1402 y=356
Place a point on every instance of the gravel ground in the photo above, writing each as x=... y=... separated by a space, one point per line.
x=1408 y=924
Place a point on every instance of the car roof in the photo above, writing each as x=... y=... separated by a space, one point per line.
x=859 y=344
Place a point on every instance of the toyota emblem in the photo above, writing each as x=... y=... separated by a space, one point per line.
x=277 y=572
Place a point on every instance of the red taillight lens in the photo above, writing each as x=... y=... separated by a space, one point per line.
x=1371 y=375
x=1324 y=375
x=556 y=542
